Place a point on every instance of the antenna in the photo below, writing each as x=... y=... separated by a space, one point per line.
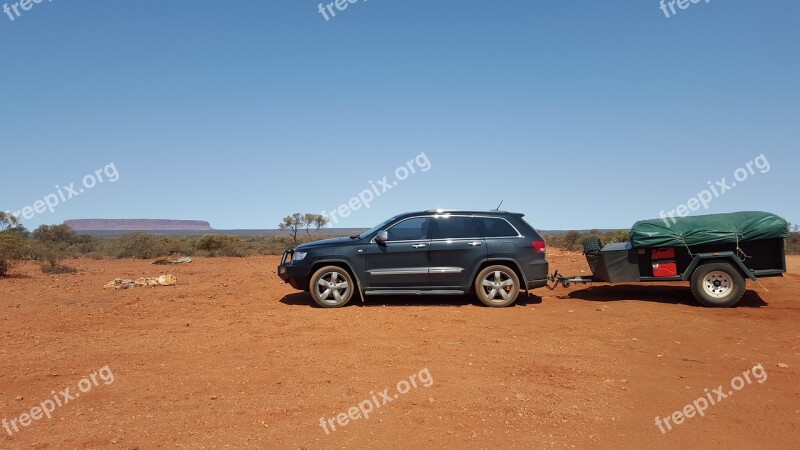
x=498 y=206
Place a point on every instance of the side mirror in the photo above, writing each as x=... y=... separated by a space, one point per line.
x=382 y=237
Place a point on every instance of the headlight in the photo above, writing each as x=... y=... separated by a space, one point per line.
x=299 y=256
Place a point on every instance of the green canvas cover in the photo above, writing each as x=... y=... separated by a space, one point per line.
x=709 y=229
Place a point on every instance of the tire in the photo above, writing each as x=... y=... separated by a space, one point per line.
x=331 y=287
x=717 y=285
x=592 y=245
x=497 y=286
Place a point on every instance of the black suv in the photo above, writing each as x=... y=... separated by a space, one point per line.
x=494 y=254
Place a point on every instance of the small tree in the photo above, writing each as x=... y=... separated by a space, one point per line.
x=9 y=222
x=12 y=243
x=320 y=221
x=292 y=225
x=308 y=222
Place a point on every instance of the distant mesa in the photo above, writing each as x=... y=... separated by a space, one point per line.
x=138 y=225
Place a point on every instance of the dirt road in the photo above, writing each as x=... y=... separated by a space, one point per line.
x=232 y=357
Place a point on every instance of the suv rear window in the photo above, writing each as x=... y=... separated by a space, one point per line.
x=496 y=227
x=454 y=227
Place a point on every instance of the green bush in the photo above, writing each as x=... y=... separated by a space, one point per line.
x=13 y=249
x=177 y=246
x=134 y=245
x=84 y=245
x=275 y=245
x=793 y=244
x=222 y=245
x=58 y=234
x=51 y=244
x=573 y=240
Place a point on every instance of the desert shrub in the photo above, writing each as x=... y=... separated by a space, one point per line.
x=177 y=246
x=222 y=245
x=84 y=245
x=13 y=249
x=50 y=245
x=134 y=245
x=49 y=254
x=793 y=244
x=269 y=245
x=59 y=234
x=573 y=240
x=275 y=245
x=57 y=269
x=621 y=236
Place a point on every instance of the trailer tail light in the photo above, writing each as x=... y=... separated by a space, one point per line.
x=540 y=246
x=665 y=268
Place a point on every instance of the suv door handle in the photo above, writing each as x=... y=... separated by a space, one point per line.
x=418 y=246
x=475 y=244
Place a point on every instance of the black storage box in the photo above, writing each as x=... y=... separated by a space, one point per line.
x=615 y=263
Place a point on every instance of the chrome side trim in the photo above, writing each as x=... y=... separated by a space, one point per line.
x=410 y=271
x=434 y=270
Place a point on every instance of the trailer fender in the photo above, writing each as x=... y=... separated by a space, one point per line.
x=726 y=256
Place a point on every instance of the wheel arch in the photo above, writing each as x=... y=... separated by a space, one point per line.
x=727 y=257
x=338 y=263
x=498 y=261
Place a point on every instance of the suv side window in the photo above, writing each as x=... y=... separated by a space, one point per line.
x=496 y=227
x=446 y=227
x=413 y=229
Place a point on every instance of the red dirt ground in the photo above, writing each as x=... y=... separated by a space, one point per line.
x=232 y=357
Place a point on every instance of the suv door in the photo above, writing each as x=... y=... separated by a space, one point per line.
x=402 y=261
x=456 y=249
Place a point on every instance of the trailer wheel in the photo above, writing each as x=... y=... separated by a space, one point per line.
x=717 y=285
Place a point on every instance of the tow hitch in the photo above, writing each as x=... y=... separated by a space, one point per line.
x=557 y=279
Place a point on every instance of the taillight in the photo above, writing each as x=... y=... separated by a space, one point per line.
x=540 y=246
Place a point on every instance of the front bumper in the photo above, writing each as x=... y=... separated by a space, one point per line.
x=296 y=276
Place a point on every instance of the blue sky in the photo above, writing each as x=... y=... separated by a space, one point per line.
x=581 y=114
